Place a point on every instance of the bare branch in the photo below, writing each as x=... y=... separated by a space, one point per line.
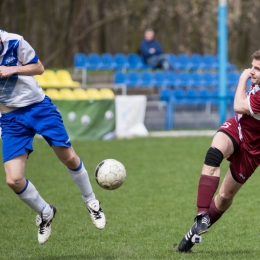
x=90 y=29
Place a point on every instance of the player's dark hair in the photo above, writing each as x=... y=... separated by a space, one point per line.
x=256 y=55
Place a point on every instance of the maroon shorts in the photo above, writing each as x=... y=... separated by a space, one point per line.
x=242 y=164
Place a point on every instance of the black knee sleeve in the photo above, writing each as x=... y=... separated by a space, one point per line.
x=214 y=157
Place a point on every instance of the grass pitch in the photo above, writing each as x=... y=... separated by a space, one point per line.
x=146 y=216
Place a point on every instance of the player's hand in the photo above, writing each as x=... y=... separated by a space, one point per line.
x=7 y=71
x=152 y=50
x=246 y=74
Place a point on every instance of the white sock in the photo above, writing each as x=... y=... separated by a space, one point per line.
x=32 y=198
x=80 y=177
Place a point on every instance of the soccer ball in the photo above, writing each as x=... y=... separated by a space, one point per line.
x=110 y=174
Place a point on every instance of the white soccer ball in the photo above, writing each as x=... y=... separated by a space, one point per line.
x=110 y=174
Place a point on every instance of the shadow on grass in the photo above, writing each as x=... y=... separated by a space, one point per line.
x=233 y=253
x=76 y=257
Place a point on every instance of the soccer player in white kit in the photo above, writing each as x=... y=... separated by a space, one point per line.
x=26 y=111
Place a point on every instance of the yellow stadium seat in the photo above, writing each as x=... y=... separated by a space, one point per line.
x=93 y=93
x=80 y=94
x=106 y=93
x=51 y=79
x=67 y=94
x=52 y=93
x=41 y=81
x=65 y=77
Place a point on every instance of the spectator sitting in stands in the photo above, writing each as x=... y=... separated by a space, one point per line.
x=152 y=52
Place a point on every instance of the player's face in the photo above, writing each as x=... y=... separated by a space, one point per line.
x=149 y=35
x=255 y=72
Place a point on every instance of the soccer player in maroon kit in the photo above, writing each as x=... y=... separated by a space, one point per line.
x=238 y=140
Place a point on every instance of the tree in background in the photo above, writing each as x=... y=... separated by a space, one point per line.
x=59 y=29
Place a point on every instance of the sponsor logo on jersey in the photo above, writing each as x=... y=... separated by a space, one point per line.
x=10 y=60
x=242 y=176
x=226 y=125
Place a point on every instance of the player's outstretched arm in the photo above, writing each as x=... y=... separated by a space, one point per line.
x=241 y=102
x=27 y=70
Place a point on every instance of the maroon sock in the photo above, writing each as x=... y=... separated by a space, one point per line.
x=214 y=213
x=206 y=190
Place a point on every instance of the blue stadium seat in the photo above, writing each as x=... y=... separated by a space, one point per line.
x=179 y=96
x=108 y=61
x=197 y=80
x=171 y=78
x=210 y=62
x=119 y=77
x=192 y=96
x=183 y=62
x=230 y=96
x=183 y=80
x=132 y=79
x=165 y=94
x=214 y=97
x=210 y=79
x=233 y=78
x=146 y=79
x=160 y=79
x=95 y=62
x=173 y=59
x=121 y=61
x=80 y=61
x=197 y=62
x=205 y=96
x=135 y=61
x=230 y=66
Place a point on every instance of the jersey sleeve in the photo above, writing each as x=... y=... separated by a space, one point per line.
x=26 y=54
x=254 y=103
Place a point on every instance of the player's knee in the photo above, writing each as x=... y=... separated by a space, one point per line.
x=71 y=160
x=214 y=157
x=14 y=182
x=225 y=198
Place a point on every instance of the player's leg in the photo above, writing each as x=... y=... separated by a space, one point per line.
x=155 y=61
x=221 y=147
x=223 y=144
x=47 y=121
x=224 y=198
x=76 y=170
x=166 y=63
x=17 y=138
x=80 y=176
x=26 y=191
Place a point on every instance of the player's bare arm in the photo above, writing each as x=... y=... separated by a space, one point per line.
x=27 y=70
x=240 y=102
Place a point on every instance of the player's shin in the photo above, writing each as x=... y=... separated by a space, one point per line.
x=206 y=190
x=214 y=213
x=32 y=198
x=209 y=181
x=81 y=178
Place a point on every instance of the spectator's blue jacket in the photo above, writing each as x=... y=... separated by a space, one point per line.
x=145 y=46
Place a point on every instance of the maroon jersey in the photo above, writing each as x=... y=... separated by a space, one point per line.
x=249 y=125
x=245 y=131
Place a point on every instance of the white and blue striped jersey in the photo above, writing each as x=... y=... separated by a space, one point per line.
x=18 y=90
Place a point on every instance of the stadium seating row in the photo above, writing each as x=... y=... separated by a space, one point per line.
x=58 y=79
x=79 y=94
x=172 y=79
x=119 y=61
x=192 y=96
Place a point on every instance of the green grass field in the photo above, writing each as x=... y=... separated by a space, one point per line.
x=146 y=216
